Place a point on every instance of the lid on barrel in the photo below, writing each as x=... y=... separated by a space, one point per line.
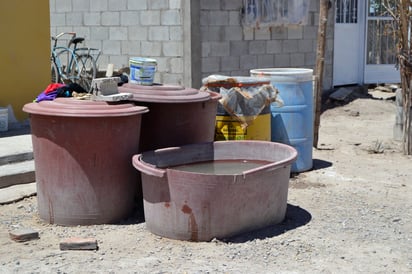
x=83 y=108
x=158 y=93
x=284 y=74
x=234 y=81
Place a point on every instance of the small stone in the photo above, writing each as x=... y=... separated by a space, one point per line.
x=76 y=243
x=23 y=235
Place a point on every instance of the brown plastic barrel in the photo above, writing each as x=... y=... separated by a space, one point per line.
x=82 y=152
x=178 y=116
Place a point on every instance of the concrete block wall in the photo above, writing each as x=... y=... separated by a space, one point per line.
x=127 y=28
x=189 y=39
x=230 y=49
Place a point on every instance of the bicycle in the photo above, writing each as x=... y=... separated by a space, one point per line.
x=70 y=64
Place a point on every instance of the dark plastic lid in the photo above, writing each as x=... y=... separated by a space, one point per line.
x=82 y=108
x=158 y=93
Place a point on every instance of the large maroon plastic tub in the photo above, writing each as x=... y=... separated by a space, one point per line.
x=82 y=152
x=196 y=206
x=178 y=116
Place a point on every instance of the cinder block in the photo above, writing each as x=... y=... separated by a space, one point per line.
x=158 y=4
x=129 y=18
x=290 y=46
x=138 y=33
x=110 y=18
x=176 y=33
x=98 y=5
x=171 y=17
x=210 y=65
x=257 y=47
x=265 y=61
x=297 y=59
x=232 y=4
x=150 y=18
x=230 y=63
x=274 y=46
x=176 y=65
x=219 y=18
x=131 y=48
x=151 y=49
x=262 y=34
x=116 y=5
x=295 y=32
x=81 y=5
x=159 y=33
x=172 y=49
x=118 y=33
x=74 y=19
x=63 y=6
x=239 y=48
x=219 y=48
x=233 y=33
x=282 y=60
x=111 y=47
x=210 y=4
x=58 y=19
x=99 y=33
x=248 y=62
x=91 y=18
x=175 y=4
x=137 y=5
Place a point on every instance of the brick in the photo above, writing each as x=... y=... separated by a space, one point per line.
x=170 y=18
x=23 y=235
x=150 y=18
x=129 y=18
x=76 y=243
x=111 y=18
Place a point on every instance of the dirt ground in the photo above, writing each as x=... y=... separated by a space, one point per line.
x=351 y=214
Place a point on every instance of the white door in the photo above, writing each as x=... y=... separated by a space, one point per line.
x=348 y=45
x=380 y=50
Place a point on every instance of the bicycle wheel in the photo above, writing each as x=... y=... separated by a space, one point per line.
x=86 y=70
x=67 y=63
x=55 y=77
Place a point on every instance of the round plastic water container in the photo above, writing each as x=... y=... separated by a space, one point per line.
x=82 y=151
x=292 y=123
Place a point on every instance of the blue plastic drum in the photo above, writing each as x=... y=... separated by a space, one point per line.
x=292 y=123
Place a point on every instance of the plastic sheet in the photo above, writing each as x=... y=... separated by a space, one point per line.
x=267 y=13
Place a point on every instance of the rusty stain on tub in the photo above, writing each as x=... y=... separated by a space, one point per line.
x=192 y=223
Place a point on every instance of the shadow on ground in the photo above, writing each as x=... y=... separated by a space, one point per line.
x=295 y=217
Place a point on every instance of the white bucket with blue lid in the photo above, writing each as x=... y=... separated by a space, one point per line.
x=142 y=70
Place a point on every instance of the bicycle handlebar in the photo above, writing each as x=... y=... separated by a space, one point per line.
x=63 y=33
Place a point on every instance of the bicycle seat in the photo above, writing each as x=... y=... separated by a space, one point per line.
x=76 y=40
